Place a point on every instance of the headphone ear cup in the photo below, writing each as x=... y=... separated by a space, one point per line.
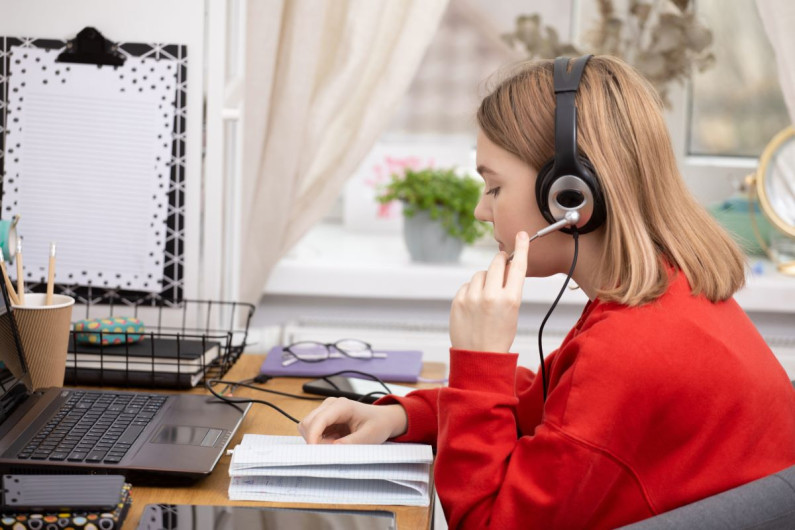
x=587 y=177
x=543 y=182
x=599 y=211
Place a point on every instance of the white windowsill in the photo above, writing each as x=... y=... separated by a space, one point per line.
x=334 y=262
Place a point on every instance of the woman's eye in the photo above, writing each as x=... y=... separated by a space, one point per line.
x=493 y=191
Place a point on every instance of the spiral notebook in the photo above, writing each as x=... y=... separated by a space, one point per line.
x=399 y=366
x=286 y=469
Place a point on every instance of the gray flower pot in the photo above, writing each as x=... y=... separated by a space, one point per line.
x=428 y=241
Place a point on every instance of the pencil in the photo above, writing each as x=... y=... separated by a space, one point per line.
x=50 y=276
x=20 y=279
x=9 y=286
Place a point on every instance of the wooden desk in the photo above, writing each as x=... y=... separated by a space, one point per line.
x=264 y=420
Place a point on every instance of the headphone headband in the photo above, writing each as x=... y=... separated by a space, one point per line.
x=569 y=81
x=568 y=181
x=566 y=85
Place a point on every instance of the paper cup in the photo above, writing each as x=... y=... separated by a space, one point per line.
x=44 y=333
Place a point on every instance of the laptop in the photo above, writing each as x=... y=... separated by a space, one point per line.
x=142 y=435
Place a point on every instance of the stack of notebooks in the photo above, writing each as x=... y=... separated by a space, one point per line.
x=286 y=469
x=166 y=360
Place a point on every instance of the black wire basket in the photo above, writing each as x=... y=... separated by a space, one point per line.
x=181 y=345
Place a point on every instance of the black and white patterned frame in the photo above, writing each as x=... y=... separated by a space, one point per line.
x=173 y=258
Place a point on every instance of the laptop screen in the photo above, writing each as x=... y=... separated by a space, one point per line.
x=13 y=369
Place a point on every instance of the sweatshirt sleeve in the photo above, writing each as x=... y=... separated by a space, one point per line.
x=421 y=407
x=421 y=410
x=544 y=479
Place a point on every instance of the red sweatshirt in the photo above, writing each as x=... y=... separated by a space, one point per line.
x=649 y=408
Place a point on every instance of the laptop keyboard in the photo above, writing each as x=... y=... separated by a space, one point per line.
x=93 y=427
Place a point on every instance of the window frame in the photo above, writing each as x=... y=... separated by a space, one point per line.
x=710 y=178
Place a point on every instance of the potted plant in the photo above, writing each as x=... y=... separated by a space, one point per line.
x=438 y=210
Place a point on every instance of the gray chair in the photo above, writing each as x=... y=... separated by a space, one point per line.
x=767 y=503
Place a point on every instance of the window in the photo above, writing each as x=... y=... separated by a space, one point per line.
x=719 y=123
x=449 y=83
x=736 y=106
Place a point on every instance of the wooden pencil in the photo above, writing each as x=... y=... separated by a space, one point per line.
x=12 y=295
x=50 y=276
x=20 y=279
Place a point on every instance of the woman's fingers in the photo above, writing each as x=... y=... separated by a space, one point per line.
x=334 y=433
x=309 y=417
x=476 y=284
x=518 y=269
x=332 y=412
x=360 y=436
x=484 y=313
x=495 y=276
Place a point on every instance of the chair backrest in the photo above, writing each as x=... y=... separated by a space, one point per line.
x=764 y=504
x=767 y=503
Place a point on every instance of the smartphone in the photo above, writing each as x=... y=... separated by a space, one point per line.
x=44 y=493
x=364 y=390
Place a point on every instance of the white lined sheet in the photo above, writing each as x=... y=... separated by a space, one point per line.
x=281 y=468
x=88 y=153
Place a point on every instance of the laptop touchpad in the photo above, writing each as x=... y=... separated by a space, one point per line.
x=187 y=435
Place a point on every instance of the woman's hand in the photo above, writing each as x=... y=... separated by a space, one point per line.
x=485 y=311
x=340 y=420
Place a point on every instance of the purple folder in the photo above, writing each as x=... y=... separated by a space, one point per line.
x=398 y=366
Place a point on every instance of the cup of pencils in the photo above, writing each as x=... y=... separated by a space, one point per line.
x=44 y=321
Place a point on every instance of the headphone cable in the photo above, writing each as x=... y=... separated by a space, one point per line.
x=576 y=236
x=232 y=385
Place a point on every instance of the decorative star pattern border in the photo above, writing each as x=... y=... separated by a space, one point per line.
x=173 y=259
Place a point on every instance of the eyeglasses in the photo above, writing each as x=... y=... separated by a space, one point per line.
x=315 y=352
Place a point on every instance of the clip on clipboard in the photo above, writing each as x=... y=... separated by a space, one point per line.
x=90 y=47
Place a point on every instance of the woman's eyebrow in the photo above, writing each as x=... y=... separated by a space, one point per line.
x=483 y=170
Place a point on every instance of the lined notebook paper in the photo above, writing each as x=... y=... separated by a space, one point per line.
x=285 y=469
x=87 y=162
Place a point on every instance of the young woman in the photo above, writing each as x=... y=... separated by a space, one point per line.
x=662 y=394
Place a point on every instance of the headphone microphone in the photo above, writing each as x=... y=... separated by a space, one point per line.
x=572 y=217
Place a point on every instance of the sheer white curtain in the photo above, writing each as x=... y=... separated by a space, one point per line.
x=778 y=18
x=323 y=79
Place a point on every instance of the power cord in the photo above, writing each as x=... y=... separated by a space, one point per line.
x=576 y=236
x=208 y=384
x=262 y=378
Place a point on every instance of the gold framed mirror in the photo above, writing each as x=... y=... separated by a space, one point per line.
x=774 y=186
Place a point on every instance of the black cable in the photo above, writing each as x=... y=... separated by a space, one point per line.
x=377 y=393
x=245 y=384
x=576 y=236
x=208 y=384
x=371 y=376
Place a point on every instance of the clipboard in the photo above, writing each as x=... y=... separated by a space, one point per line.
x=90 y=47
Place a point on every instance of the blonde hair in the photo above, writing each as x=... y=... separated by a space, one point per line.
x=652 y=219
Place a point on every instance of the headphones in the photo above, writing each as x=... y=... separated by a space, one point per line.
x=567 y=182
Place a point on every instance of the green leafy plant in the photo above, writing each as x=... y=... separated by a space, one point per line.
x=446 y=196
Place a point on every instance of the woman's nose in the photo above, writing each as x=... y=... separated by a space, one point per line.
x=482 y=211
